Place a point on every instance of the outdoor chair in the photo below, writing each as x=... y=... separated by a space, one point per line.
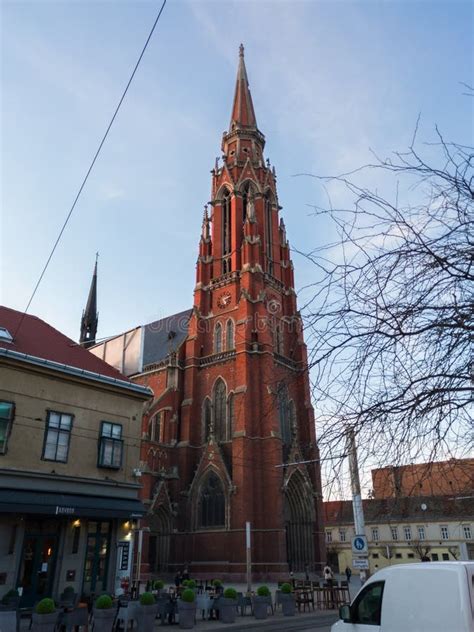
x=78 y=617
x=244 y=602
x=204 y=604
x=126 y=614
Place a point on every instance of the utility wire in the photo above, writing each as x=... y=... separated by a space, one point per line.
x=90 y=169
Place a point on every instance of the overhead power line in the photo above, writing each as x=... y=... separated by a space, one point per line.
x=91 y=166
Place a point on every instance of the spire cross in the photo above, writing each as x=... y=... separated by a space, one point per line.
x=241 y=50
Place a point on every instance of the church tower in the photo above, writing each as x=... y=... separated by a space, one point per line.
x=229 y=436
x=90 y=316
x=246 y=420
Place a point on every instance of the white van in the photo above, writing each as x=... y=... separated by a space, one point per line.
x=425 y=597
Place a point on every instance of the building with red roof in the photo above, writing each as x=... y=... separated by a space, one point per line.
x=69 y=458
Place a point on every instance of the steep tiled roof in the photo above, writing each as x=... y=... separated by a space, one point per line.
x=164 y=336
x=405 y=509
x=36 y=338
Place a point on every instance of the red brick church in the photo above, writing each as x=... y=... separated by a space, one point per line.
x=231 y=389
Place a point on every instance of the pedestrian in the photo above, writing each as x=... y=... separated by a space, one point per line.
x=292 y=578
x=348 y=574
x=185 y=574
x=328 y=574
x=177 y=579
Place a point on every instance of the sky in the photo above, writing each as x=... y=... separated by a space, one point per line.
x=331 y=82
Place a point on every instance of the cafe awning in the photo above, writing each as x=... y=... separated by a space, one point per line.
x=74 y=505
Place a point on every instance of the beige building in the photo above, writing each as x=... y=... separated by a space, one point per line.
x=402 y=530
x=69 y=457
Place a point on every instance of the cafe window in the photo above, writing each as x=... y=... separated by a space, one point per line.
x=110 y=445
x=444 y=533
x=57 y=437
x=7 y=412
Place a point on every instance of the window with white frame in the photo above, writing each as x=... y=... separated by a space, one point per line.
x=110 y=445
x=342 y=535
x=444 y=532
x=328 y=536
x=407 y=533
x=467 y=531
x=394 y=533
x=375 y=534
x=57 y=437
x=421 y=533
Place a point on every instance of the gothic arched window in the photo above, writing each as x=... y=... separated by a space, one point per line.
x=220 y=399
x=218 y=338
x=284 y=414
x=229 y=335
x=154 y=427
x=212 y=502
x=247 y=192
x=292 y=417
x=226 y=233
x=206 y=419
x=268 y=233
x=230 y=417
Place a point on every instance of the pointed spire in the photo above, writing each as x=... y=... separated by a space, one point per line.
x=90 y=317
x=243 y=114
x=205 y=225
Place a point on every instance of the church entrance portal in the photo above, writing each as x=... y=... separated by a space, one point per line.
x=299 y=524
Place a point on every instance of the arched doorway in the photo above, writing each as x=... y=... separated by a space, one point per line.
x=299 y=523
x=160 y=536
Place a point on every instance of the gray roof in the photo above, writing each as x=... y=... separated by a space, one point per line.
x=164 y=336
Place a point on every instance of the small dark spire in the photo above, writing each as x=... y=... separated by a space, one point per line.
x=90 y=316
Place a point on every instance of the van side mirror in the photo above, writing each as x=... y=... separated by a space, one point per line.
x=345 y=614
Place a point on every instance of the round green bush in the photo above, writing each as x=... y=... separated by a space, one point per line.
x=147 y=599
x=11 y=594
x=68 y=589
x=45 y=606
x=158 y=584
x=263 y=591
x=185 y=583
x=191 y=584
x=216 y=583
x=286 y=588
x=104 y=602
x=230 y=593
x=188 y=595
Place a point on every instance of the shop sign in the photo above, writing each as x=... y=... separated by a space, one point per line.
x=124 y=560
x=65 y=511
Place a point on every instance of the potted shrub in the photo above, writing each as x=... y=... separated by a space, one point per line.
x=191 y=584
x=10 y=599
x=228 y=606
x=45 y=616
x=187 y=609
x=261 y=602
x=158 y=586
x=287 y=600
x=217 y=585
x=146 y=612
x=104 y=614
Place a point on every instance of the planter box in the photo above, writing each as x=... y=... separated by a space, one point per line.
x=8 y=620
x=227 y=610
x=146 y=616
x=104 y=619
x=44 y=622
x=187 y=614
x=260 y=607
x=288 y=604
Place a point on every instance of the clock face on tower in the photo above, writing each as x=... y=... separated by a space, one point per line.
x=223 y=300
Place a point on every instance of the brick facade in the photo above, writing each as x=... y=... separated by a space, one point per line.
x=231 y=405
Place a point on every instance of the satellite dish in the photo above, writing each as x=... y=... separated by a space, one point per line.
x=424 y=507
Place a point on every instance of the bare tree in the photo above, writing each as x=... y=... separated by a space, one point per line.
x=390 y=320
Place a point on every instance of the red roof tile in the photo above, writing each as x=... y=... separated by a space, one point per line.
x=39 y=339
